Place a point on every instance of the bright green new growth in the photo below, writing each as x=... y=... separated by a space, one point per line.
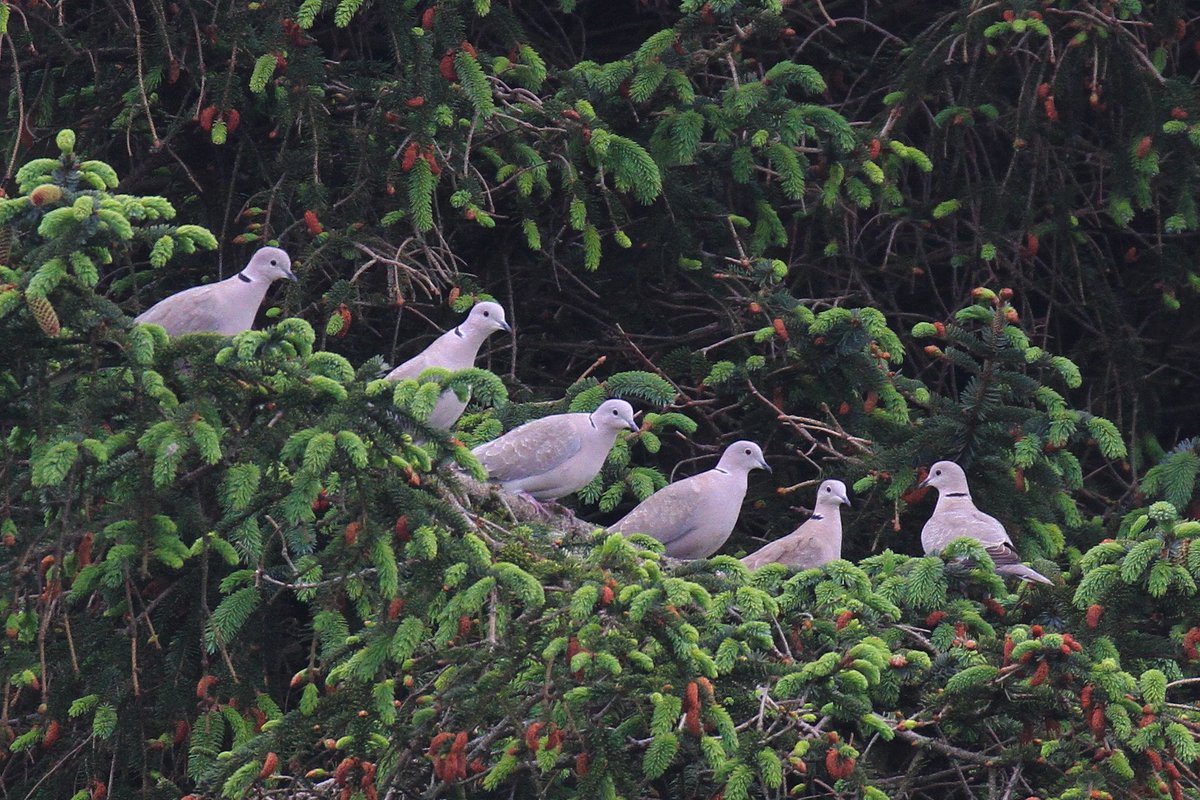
x=248 y=567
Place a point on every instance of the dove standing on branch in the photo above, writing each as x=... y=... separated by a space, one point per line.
x=553 y=456
x=956 y=516
x=818 y=541
x=454 y=350
x=227 y=307
x=693 y=517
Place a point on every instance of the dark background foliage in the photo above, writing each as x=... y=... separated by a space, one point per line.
x=787 y=222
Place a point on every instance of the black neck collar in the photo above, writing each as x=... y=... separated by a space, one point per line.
x=817 y=516
x=457 y=332
x=242 y=277
x=957 y=494
x=722 y=471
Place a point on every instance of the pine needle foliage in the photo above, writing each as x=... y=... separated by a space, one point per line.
x=248 y=566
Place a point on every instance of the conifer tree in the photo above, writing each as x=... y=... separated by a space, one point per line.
x=242 y=567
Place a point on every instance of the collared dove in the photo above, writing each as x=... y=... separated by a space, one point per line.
x=693 y=517
x=818 y=541
x=454 y=350
x=227 y=306
x=555 y=455
x=956 y=516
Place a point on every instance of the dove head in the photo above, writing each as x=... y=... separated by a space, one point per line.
x=614 y=415
x=948 y=478
x=832 y=493
x=742 y=456
x=268 y=264
x=485 y=318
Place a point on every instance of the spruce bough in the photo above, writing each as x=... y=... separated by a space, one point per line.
x=233 y=569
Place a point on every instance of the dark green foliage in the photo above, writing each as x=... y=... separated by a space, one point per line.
x=248 y=566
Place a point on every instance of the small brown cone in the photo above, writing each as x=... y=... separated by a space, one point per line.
x=45 y=194
x=44 y=314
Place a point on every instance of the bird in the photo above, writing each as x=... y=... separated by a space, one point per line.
x=693 y=517
x=227 y=307
x=551 y=457
x=454 y=350
x=956 y=516
x=818 y=541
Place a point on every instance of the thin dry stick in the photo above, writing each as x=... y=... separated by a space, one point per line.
x=133 y=654
x=42 y=629
x=187 y=171
x=71 y=643
x=646 y=360
x=83 y=742
x=950 y=750
x=12 y=161
x=137 y=43
x=804 y=426
x=153 y=639
x=492 y=602
x=599 y=362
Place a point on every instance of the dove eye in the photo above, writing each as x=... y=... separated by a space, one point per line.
x=747 y=452
x=827 y=490
x=614 y=412
x=487 y=313
x=272 y=262
x=939 y=472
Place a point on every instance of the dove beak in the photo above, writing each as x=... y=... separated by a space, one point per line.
x=291 y=276
x=924 y=483
x=763 y=463
x=845 y=500
x=504 y=326
x=633 y=426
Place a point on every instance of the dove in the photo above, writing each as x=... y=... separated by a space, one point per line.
x=956 y=516
x=553 y=456
x=454 y=350
x=227 y=307
x=693 y=517
x=818 y=541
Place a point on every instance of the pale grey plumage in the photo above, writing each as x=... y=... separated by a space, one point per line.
x=955 y=516
x=818 y=541
x=693 y=517
x=553 y=456
x=454 y=350
x=227 y=307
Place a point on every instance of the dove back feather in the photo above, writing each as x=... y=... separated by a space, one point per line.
x=553 y=456
x=227 y=307
x=955 y=516
x=694 y=517
x=454 y=350
x=818 y=541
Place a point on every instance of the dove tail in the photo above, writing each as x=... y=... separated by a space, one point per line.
x=1024 y=573
x=753 y=561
